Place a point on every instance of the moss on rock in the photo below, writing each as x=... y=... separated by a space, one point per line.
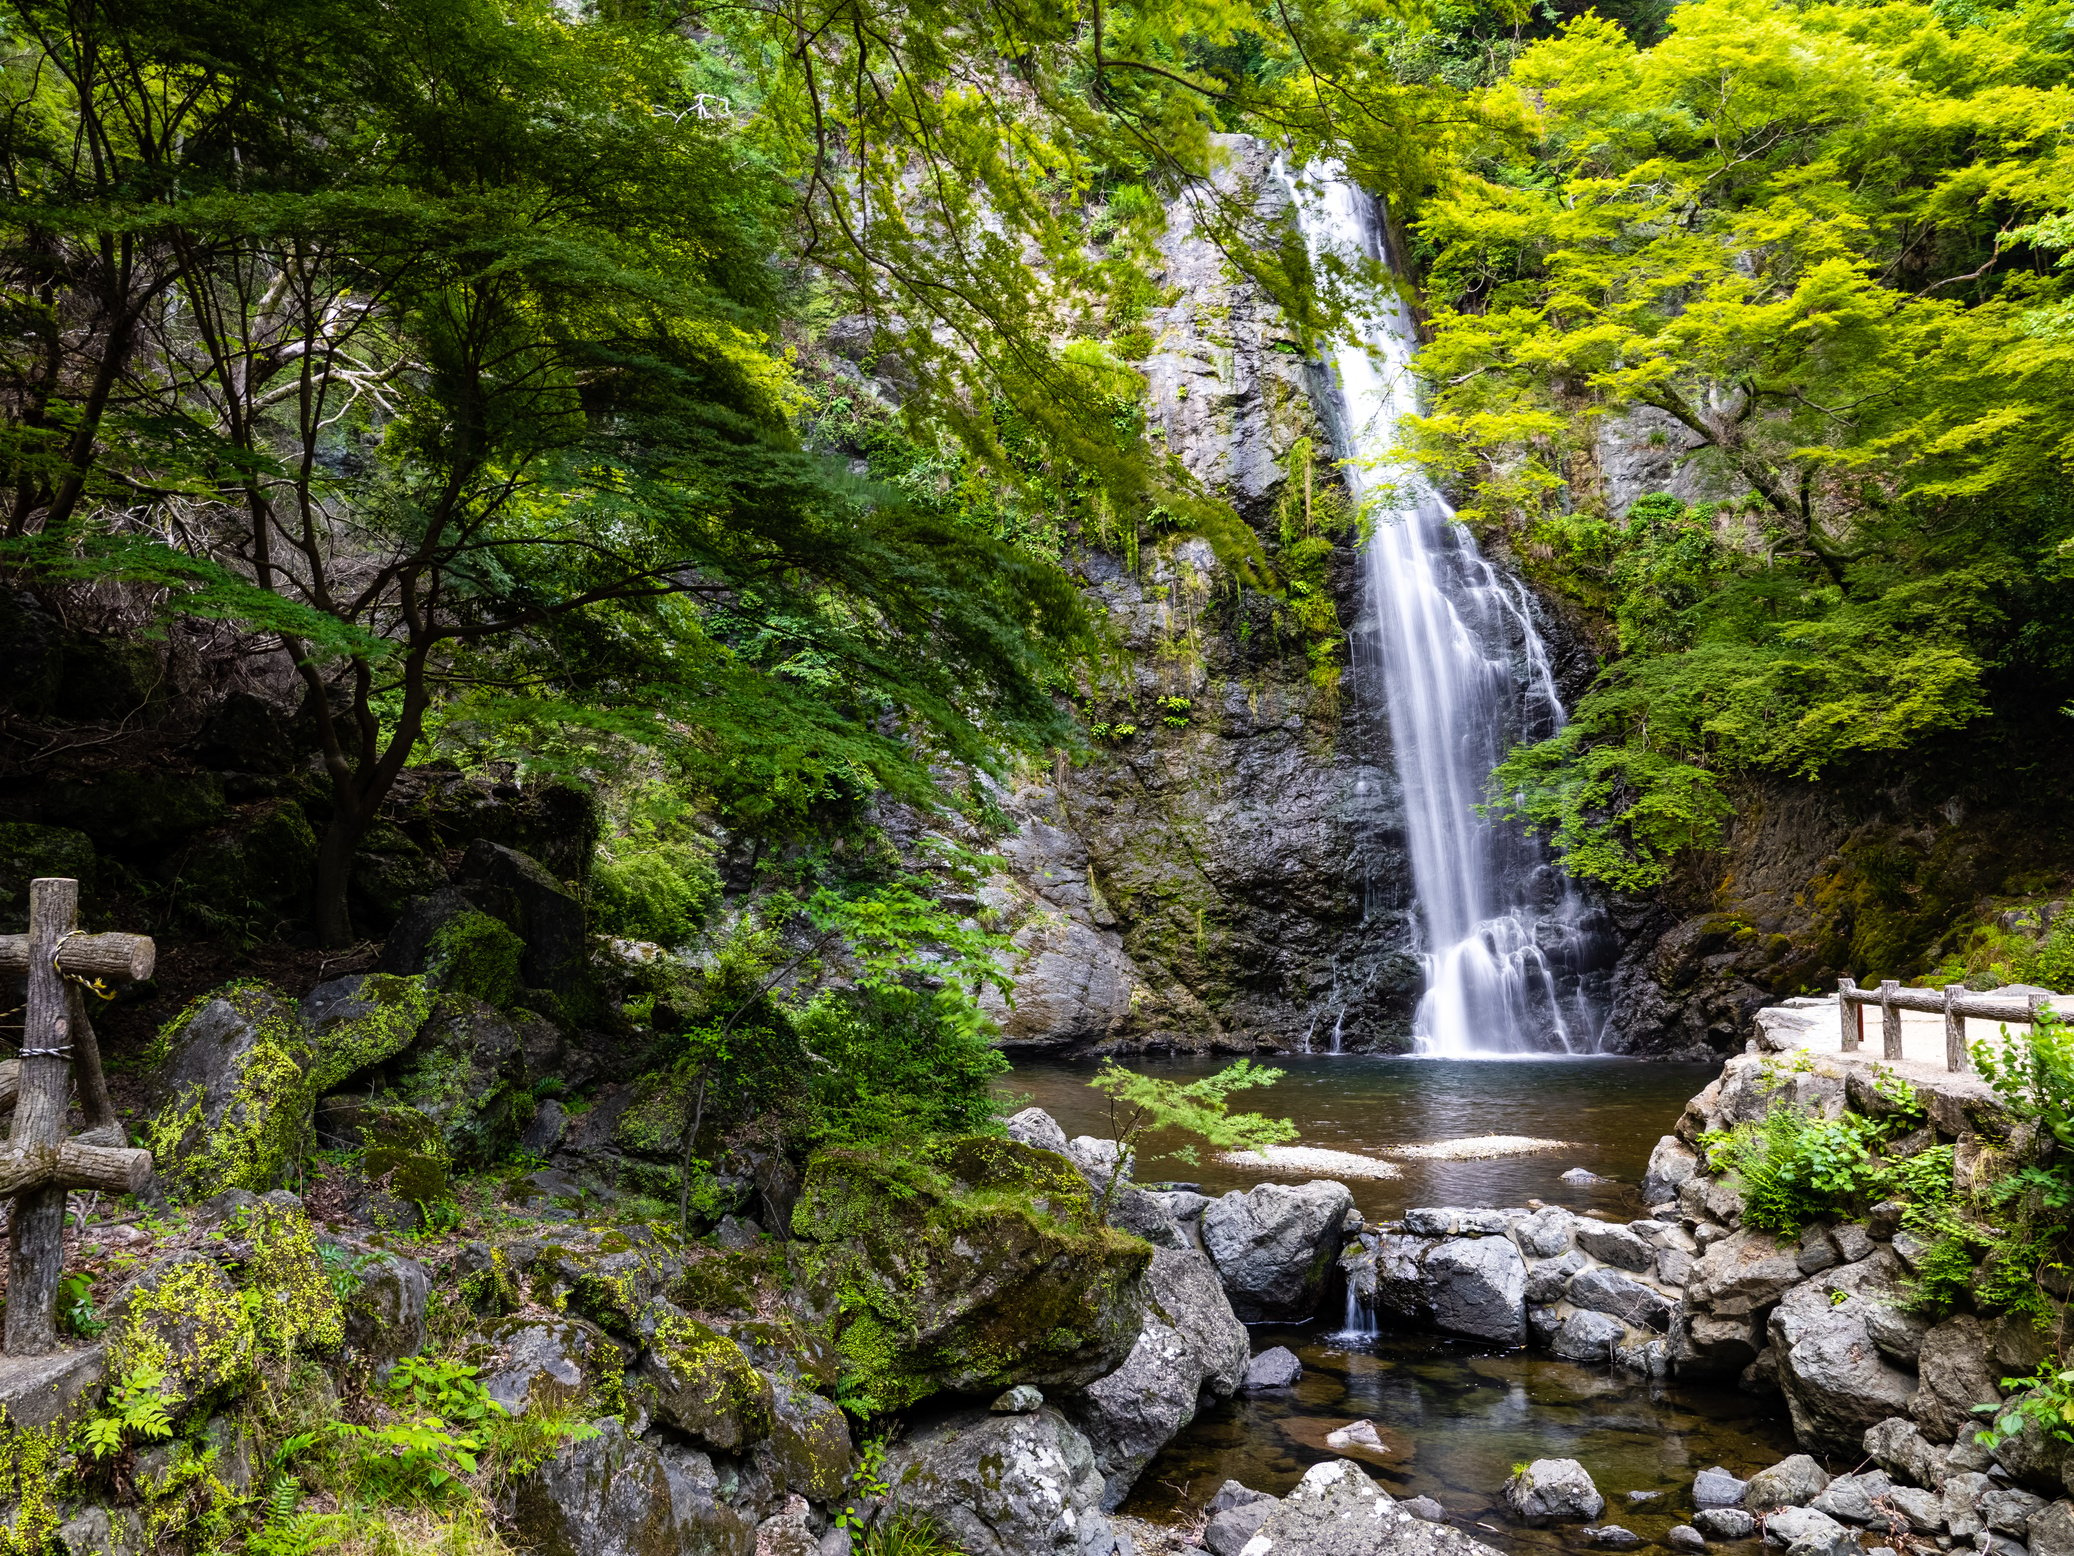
x=700 y=1382
x=982 y=1268
x=476 y=955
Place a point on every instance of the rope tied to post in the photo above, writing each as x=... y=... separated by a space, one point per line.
x=98 y=987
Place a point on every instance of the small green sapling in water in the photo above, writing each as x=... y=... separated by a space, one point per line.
x=1141 y=1105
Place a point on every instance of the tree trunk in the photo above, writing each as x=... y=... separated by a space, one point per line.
x=36 y=1257
x=335 y=875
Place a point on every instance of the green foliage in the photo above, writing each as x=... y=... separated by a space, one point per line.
x=1142 y=1105
x=1795 y=1165
x=894 y=1065
x=2046 y=1398
x=2033 y=1073
x=135 y=1412
x=1810 y=254
x=897 y=1533
x=76 y=1305
x=654 y=878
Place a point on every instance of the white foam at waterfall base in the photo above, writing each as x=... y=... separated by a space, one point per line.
x=1506 y=940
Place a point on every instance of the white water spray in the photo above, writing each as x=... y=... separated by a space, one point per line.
x=1507 y=941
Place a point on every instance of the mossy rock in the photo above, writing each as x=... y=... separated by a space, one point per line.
x=980 y=1269
x=389 y=869
x=698 y=1381
x=244 y=1068
x=28 y=851
x=728 y=1281
x=608 y=1275
x=808 y=1446
x=466 y=1073
x=478 y=957
x=185 y=1322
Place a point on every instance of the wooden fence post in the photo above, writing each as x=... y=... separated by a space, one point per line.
x=1850 y=1013
x=1954 y=1029
x=1890 y=1018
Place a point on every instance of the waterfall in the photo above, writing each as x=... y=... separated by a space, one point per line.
x=1513 y=952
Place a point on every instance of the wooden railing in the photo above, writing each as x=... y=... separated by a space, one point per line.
x=1955 y=1002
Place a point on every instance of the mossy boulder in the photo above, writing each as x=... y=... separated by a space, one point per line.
x=244 y=1068
x=808 y=1449
x=251 y=874
x=698 y=1381
x=389 y=870
x=466 y=1072
x=28 y=851
x=184 y=1323
x=554 y=1363
x=979 y=1269
x=608 y=1275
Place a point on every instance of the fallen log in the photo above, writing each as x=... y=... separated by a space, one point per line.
x=72 y=1164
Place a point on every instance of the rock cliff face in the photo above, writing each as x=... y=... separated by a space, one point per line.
x=1226 y=871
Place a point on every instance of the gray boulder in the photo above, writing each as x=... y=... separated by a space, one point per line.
x=1955 y=1370
x=1477 y=1287
x=1963 y=1494
x=2051 y=1531
x=1896 y=1331
x=1277 y=1368
x=1548 y=1280
x=1336 y=1510
x=1229 y=1531
x=1806 y=1532
x=1546 y=1234
x=1793 y=1482
x=1586 y=1336
x=1182 y=1289
x=1742 y=1273
x=1683 y=1537
x=1671 y=1166
x=1614 y=1245
x=1004 y=1485
x=2010 y=1512
x=1274 y=1246
x=514 y=888
x=1552 y=1491
x=611 y=1495
x=1135 y=1411
x=1426 y=1508
x=1850 y=1498
x=385 y=1311
x=1724 y=1523
x=1609 y=1291
x=1924 y=1510
x=1612 y=1537
x=548 y=1360
x=1717 y=1488
x=1898 y=1447
x=1836 y=1381
x=1034 y=1126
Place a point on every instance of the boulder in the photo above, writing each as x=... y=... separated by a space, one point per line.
x=1456 y=1221
x=1003 y=1277
x=1004 y=1485
x=807 y=1452
x=1035 y=1127
x=1585 y=1336
x=56 y=1388
x=1793 y=1482
x=1612 y=1537
x=1671 y=1166
x=467 y=1073
x=2010 y=1512
x=1806 y=1532
x=1896 y=1331
x=1546 y=1234
x=1426 y=1508
x=183 y=1316
x=1182 y=1291
x=1717 y=1488
x=385 y=1310
x=1707 y=1345
x=1274 y=1246
x=700 y=1382
x=1135 y=1411
x=1898 y=1447
x=1230 y=1530
x=1956 y=1370
x=1684 y=1537
x=1476 y=1286
x=551 y=1361
x=1837 y=1383
x=1924 y=1510
x=2052 y=1530
x=1850 y=1498
x=1614 y=1245
x=1552 y=1491
x=1724 y=1523
x=612 y=1495
x=1742 y=1273
x=1609 y=1291
x=1336 y=1510
x=1277 y=1368
x=1020 y=1400
x=244 y=1068
x=1548 y=1280
x=514 y=888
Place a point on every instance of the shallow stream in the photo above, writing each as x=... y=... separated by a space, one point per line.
x=1455 y=1417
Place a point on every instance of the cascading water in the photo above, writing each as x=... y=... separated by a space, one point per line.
x=1512 y=951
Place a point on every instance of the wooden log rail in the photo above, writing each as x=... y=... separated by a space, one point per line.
x=1955 y=1002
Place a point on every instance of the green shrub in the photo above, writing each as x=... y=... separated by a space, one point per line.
x=653 y=889
x=476 y=955
x=897 y=1062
